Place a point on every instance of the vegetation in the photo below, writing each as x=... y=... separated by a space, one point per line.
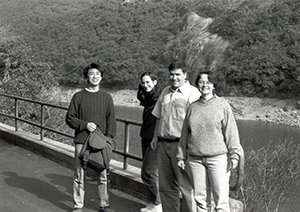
x=271 y=176
x=261 y=60
x=46 y=43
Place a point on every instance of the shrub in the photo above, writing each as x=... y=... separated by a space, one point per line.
x=271 y=174
x=262 y=54
x=261 y=60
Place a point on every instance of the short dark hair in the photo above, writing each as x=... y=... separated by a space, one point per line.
x=92 y=66
x=177 y=65
x=211 y=76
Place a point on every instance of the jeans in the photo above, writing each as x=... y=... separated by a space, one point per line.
x=173 y=180
x=78 y=183
x=210 y=175
x=149 y=171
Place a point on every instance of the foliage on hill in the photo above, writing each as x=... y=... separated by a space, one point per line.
x=21 y=76
x=262 y=58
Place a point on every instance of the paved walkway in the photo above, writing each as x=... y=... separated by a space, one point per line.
x=31 y=183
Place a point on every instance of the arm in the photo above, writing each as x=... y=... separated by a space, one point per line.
x=231 y=135
x=156 y=113
x=153 y=143
x=111 y=119
x=183 y=143
x=72 y=119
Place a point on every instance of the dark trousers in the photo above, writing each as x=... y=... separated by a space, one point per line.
x=149 y=173
x=173 y=180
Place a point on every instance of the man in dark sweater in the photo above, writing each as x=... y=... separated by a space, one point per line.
x=90 y=108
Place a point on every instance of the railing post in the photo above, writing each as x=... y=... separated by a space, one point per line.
x=43 y=128
x=42 y=121
x=16 y=114
x=126 y=145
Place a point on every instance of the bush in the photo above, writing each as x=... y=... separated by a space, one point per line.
x=271 y=175
x=261 y=60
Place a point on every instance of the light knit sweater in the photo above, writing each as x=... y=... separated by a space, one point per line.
x=209 y=129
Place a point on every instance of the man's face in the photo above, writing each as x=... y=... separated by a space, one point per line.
x=94 y=76
x=177 y=78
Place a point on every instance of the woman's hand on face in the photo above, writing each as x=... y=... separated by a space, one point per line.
x=181 y=164
x=91 y=126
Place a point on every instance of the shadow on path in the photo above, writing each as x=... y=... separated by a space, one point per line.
x=38 y=188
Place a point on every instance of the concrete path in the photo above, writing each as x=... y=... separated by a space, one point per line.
x=31 y=183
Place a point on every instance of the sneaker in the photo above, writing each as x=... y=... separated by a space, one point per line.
x=77 y=210
x=152 y=208
x=106 y=209
x=150 y=205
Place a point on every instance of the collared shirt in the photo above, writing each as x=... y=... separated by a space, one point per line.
x=171 y=109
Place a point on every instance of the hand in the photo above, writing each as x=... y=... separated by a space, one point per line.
x=153 y=143
x=233 y=164
x=181 y=164
x=91 y=126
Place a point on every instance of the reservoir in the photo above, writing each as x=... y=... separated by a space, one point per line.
x=253 y=134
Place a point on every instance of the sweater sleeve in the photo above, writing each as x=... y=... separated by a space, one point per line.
x=183 y=141
x=72 y=119
x=231 y=133
x=111 y=119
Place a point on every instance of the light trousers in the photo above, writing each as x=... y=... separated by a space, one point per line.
x=210 y=175
x=173 y=180
x=78 y=183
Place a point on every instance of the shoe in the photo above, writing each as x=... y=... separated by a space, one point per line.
x=152 y=208
x=150 y=205
x=106 y=209
x=77 y=210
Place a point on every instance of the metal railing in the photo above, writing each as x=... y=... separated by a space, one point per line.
x=125 y=153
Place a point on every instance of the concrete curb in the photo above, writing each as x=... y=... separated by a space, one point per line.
x=128 y=181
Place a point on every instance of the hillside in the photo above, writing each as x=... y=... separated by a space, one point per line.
x=47 y=43
x=56 y=39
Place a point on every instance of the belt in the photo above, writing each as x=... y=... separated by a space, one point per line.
x=168 y=140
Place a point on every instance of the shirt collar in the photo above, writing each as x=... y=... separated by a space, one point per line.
x=182 y=89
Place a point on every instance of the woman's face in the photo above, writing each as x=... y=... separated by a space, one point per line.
x=147 y=83
x=205 y=86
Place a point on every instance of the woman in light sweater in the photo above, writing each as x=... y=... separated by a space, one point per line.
x=210 y=143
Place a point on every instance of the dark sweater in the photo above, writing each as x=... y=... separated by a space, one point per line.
x=94 y=107
x=149 y=121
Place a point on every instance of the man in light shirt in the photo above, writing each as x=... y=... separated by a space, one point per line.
x=170 y=111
